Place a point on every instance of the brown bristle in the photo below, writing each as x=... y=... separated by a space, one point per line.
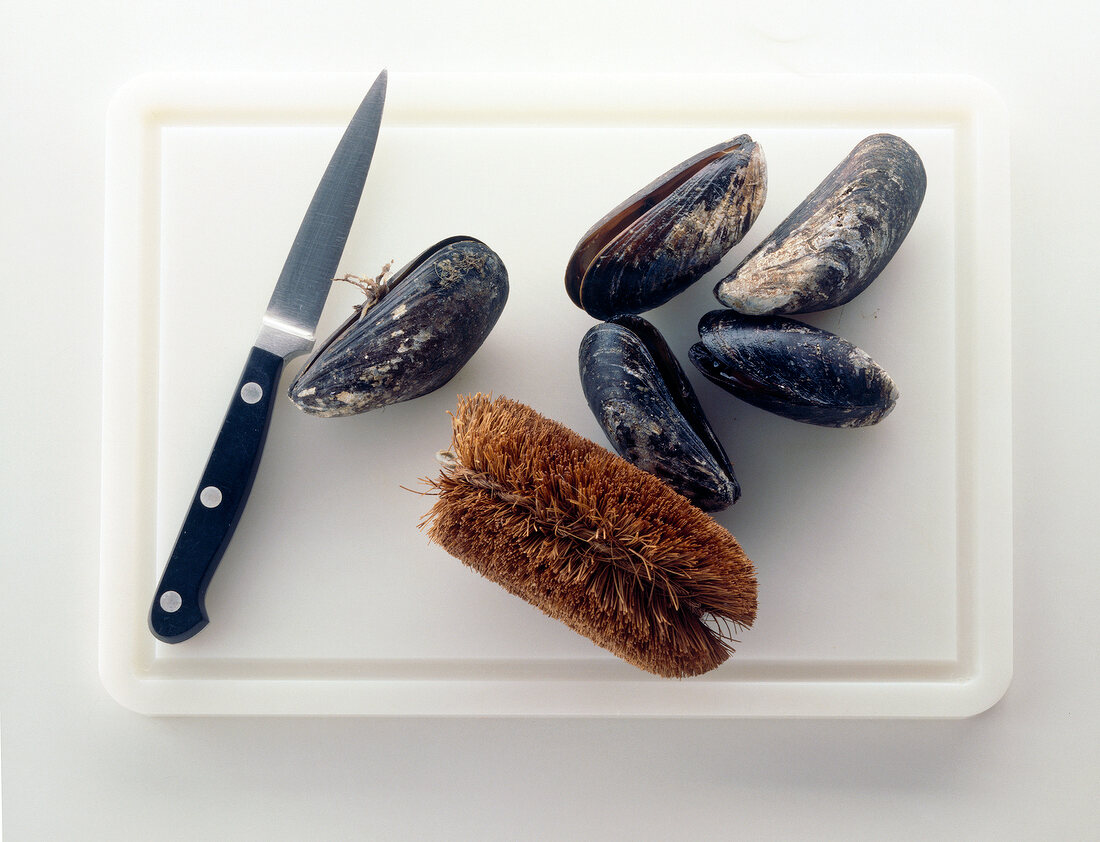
x=582 y=534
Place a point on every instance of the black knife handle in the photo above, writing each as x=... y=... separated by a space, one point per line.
x=179 y=609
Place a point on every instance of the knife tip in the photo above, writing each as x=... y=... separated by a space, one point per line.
x=377 y=93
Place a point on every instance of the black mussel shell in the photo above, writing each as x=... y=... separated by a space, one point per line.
x=435 y=313
x=670 y=233
x=646 y=406
x=793 y=369
x=838 y=240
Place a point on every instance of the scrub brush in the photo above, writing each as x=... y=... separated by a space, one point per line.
x=589 y=539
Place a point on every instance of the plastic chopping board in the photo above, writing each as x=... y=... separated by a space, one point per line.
x=884 y=554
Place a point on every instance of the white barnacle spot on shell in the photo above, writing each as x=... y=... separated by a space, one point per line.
x=414 y=342
x=690 y=226
x=345 y=397
x=305 y=393
x=398 y=311
x=379 y=372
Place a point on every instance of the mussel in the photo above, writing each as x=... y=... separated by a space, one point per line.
x=793 y=369
x=422 y=328
x=670 y=233
x=646 y=406
x=837 y=241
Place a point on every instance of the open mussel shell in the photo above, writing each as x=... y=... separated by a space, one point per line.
x=793 y=369
x=431 y=318
x=646 y=406
x=670 y=233
x=838 y=239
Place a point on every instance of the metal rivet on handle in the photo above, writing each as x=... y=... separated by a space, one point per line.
x=171 y=601
x=251 y=392
x=211 y=496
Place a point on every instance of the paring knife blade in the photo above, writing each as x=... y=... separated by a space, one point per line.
x=287 y=330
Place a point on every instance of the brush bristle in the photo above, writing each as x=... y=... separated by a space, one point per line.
x=591 y=540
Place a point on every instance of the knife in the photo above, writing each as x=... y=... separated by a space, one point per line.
x=287 y=330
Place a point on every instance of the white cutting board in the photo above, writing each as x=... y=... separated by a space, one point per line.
x=884 y=554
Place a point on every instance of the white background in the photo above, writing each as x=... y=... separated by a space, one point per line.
x=78 y=766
